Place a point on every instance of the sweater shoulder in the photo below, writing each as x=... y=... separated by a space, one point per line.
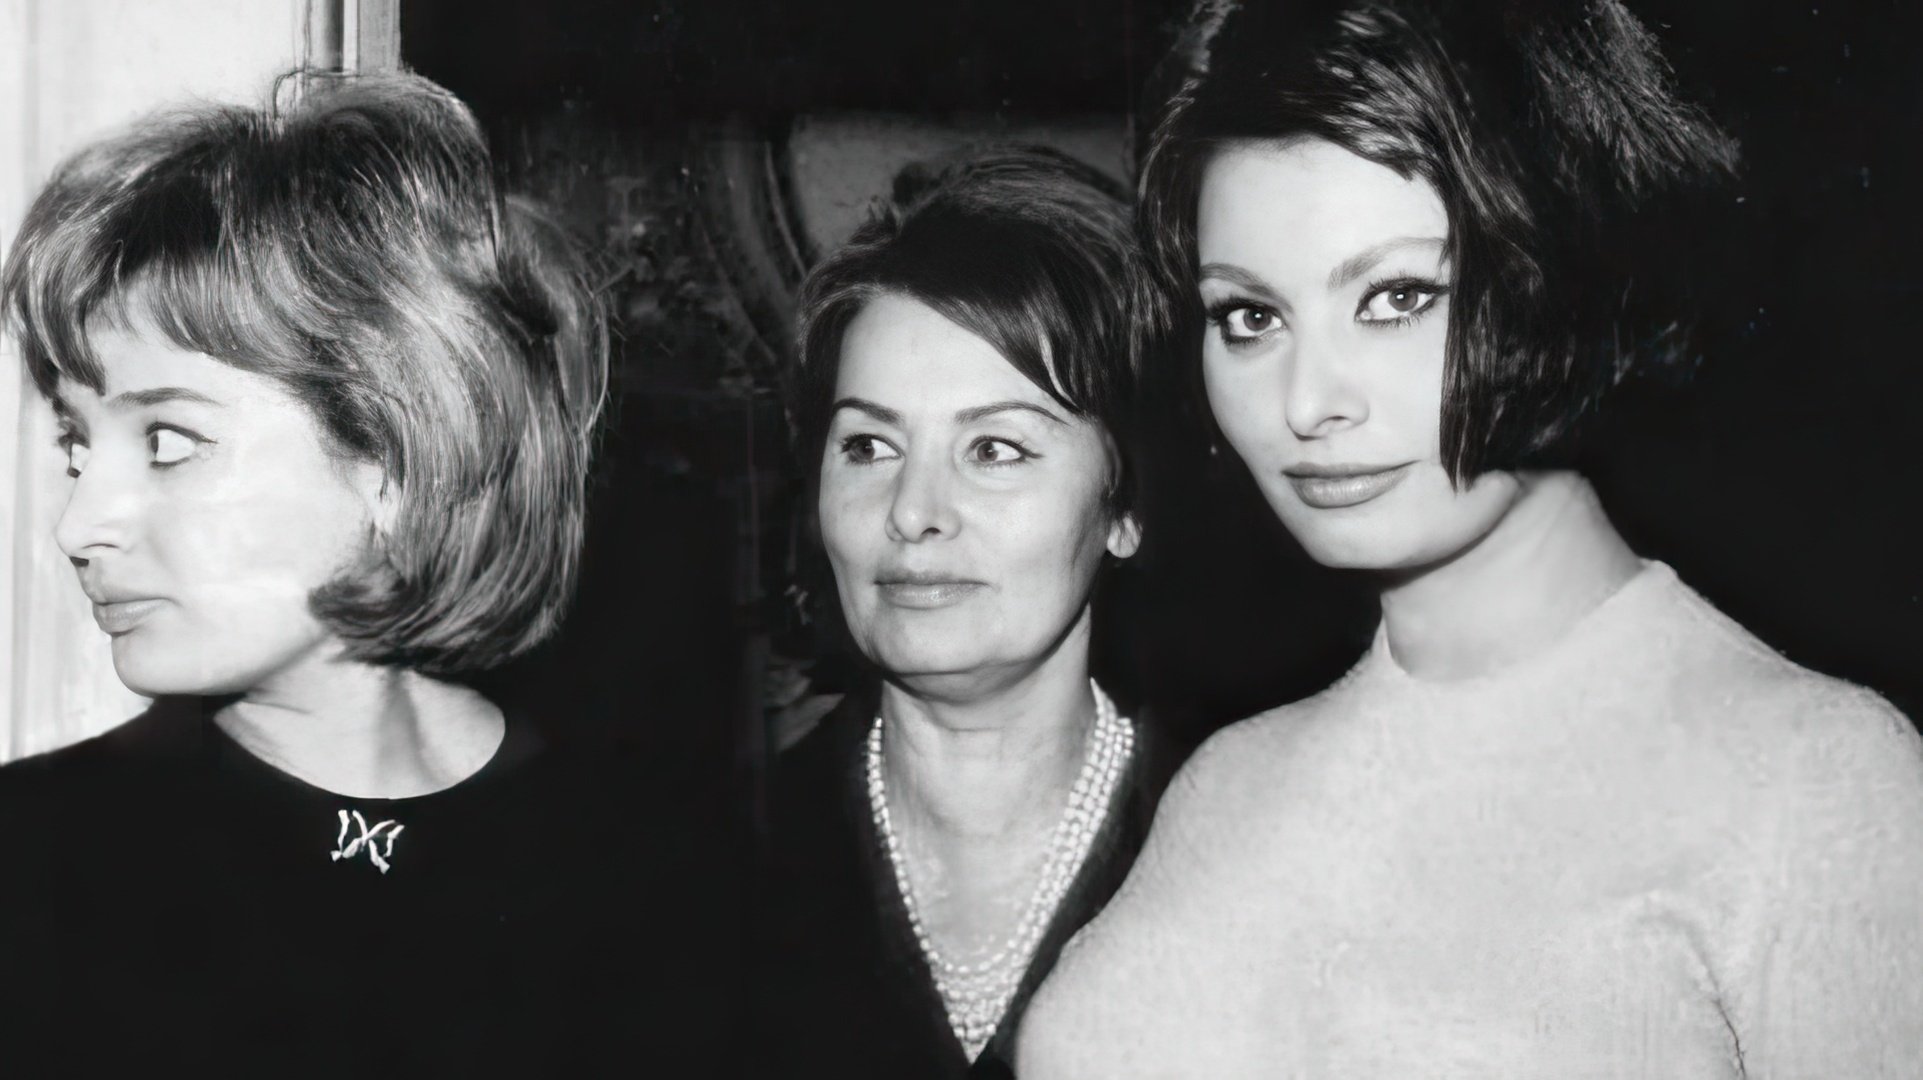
x=1719 y=669
x=1231 y=777
x=1803 y=756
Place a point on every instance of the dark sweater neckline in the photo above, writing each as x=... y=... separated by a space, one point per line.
x=176 y=727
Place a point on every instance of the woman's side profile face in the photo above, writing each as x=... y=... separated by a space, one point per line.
x=205 y=509
x=1327 y=287
x=961 y=506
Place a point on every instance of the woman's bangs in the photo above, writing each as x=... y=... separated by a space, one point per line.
x=202 y=303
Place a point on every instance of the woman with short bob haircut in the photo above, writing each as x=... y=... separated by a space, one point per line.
x=965 y=387
x=1563 y=818
x=327 y=400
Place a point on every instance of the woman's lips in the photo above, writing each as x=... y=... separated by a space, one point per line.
x=926 y=594
x=121 y=616
x=1333 y=487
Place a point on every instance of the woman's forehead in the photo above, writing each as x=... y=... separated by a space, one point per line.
x=902 y=353
x=138 y=363
x=1307 y=202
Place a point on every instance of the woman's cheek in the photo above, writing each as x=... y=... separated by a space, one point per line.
x=1243 y=409
x=839 y=522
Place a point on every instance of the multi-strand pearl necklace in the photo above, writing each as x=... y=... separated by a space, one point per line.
x=976 y=995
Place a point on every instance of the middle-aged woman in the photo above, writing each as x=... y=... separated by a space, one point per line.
x=326 y=399
x=1564 y=818
x=967 y=376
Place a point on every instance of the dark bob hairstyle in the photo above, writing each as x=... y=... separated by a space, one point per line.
x=1552 y=136
x=1026 y=248
x=353 y=246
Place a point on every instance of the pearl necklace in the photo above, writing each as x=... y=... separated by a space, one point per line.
x=975 y=995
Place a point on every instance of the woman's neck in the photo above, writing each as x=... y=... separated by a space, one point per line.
x=995 y=764
x=365 y=731
x=1551 y=560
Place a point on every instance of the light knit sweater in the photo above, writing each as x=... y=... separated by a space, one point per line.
x=1654 y=849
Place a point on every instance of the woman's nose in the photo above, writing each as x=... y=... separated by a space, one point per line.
x=1320 y=393
x=923 y=508
x=100 y=512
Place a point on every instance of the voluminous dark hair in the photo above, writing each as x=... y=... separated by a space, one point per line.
x=354 y=247
x=1026 y=248
x=1550 y=132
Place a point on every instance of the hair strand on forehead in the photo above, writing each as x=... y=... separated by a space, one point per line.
x=1553 y=138
x=350 y=243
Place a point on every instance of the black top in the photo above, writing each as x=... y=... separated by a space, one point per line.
x=845 y=990
x=173 y=903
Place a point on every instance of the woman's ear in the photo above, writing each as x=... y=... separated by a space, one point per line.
x=1124 y=536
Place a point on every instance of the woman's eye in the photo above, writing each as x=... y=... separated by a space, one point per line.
x=77 y=452
x=1247 y=322
x=866 y=449
x=165 y=446
x=1397 y=302
x=996 y=452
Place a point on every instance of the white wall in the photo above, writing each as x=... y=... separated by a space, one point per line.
x=71 y=70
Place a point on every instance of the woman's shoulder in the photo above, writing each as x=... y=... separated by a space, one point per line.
x=1232 y=777
x=820 y=766
x=816 y=803
x=1252 y=747
x=142 y=746
x=94 y=807
x=1718 y=667
x=1788 y=742
x=1832 y=759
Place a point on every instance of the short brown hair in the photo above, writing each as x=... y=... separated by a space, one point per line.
x=1024 y=247
x=355 y=247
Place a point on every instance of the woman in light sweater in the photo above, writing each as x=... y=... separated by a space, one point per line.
x=1564 y=818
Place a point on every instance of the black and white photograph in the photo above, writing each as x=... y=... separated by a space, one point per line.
x=1059 y=539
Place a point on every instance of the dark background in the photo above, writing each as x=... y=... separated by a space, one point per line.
x=1783 y=482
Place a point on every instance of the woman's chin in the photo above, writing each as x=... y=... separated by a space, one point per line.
x=922 y=664
x=926 y=661
x=149 y=673
x=1387 y=545
x=1352 y=551
x=152 y=684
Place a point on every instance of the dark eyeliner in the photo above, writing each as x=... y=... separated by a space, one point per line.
x=1024 y=451
x=1402 y=282
x=1218 y=320
x=848 y=443
x=66 y=440
x=198 y=439
x=1219 y=311
x=178 y=430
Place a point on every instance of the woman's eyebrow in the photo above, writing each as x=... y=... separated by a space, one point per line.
x=1358 y=264
x=1236 y=276
x=978 y=413
x=881 y=413
x=134 y=399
